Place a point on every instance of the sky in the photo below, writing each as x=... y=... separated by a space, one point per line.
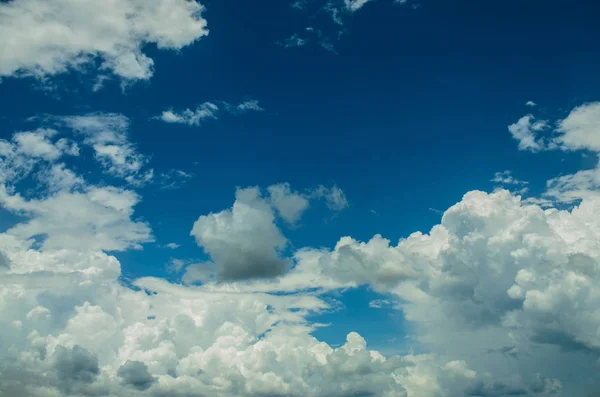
x=339 y=198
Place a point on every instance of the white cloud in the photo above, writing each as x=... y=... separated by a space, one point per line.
x=204 y=111
x=293 y=41
x=355 y=5
x=48 y=37
x=289 y=205
x=581 y=128
x=502 y=295
x=102 y=338
x=525 y=131
x=243 y=241
x=251 y=105
x=173 y=245
x=107 y=134
x=530 y=104
x=208 y=111
x=577 y=131
x=380 y=304
x=506 y=178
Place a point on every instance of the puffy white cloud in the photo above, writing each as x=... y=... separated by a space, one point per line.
x=48 y=37
x=581 y=128
x=244 y=241
x=99 y=337
x=208 y=111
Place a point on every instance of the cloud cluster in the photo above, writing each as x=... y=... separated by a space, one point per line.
x=66 y=212
x=70 y=327
x=502 y=296
x=579 y=130
x=43 y=38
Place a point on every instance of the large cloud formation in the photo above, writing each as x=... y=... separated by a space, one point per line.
x=502 y=299
x=43 y=38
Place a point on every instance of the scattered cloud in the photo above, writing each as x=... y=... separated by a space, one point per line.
x=526 y=130
x=506 y=178
x=107 y=134
x=577 y=131
x=208 y=111
x=293 y=41
x=49 y=37
x=334 y=197
x=172 y=246
x=174 y=179
x=530 y=104
x=380 y=304
x=497 y=276
x=355 y=5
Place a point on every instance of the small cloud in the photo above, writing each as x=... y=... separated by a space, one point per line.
x=174 y=179
x=506 y=178
x=204 y=111
x=355 y=5
x=299 y=4
x=335 y=197
x=525 y=131
x=175 y=265
x=380 y=304
x=530 y=104
x=293 y=41
x=172 y=246
x=251 y=105
x=207 y=111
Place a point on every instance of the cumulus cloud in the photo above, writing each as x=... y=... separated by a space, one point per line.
x=208 y=111
x=48 y=37
x=581 y=128
x=501 y=295
x=243 y=241
x=136 y=375
x=93 y=335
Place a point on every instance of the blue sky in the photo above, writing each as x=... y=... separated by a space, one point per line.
x=376 y=116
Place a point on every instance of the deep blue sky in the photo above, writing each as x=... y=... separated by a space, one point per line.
x=410 y=113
